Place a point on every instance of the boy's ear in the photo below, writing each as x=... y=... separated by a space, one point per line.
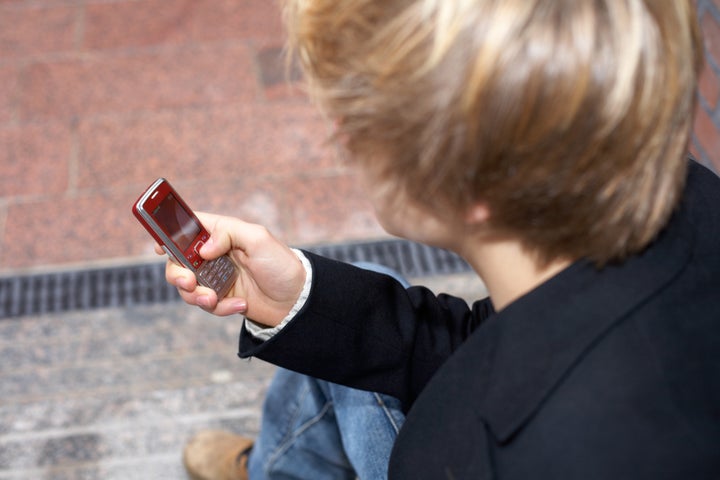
x=477 y=214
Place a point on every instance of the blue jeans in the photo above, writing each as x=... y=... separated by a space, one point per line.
x=313 y=429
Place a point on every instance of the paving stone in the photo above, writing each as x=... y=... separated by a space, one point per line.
x=122 y=24
x=233 y=141
x=171 y=78
x=19 y=30
x=34 y=159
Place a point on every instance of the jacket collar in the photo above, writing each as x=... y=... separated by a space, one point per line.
x=530 y=345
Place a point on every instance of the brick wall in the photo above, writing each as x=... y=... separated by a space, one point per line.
x=706 y=137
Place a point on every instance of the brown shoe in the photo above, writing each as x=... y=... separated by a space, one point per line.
x=217 y=455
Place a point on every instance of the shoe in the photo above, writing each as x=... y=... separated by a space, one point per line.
x=217 y=455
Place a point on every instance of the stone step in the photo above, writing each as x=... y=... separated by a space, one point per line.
x=116 y=393
x=124 y=432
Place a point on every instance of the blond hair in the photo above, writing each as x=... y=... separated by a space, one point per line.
x=569 y=119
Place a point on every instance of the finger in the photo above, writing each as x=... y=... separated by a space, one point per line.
x=230 y=306
x=179 y=276
x=202 y=297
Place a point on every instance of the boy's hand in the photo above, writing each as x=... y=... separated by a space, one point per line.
x=271 y=276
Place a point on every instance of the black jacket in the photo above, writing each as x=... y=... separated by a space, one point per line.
x=595 y=374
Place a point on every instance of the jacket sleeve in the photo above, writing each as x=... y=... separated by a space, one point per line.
x=365 y=330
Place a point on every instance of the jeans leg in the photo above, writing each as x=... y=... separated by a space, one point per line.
x=299 y=436
x=369 y=423
x=313 y=429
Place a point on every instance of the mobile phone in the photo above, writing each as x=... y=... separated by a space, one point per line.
x=175 y=227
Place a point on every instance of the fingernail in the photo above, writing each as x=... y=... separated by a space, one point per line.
x=240 y=307
x=207 y=244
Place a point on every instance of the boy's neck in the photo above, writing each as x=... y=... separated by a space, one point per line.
x=508 y=270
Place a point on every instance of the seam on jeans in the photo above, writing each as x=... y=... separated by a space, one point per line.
x=388 y=414
x=287 y=436
x=289 y=439
x=296 y=413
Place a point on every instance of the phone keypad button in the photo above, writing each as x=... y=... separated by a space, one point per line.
x=215 y=273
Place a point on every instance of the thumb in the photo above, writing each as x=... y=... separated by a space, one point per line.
x=221 y=235
x=212 y=249
x=230 y=234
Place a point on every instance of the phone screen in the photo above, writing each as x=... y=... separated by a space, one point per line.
x=177 y=223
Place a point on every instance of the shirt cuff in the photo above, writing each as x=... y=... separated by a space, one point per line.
x=263 y=333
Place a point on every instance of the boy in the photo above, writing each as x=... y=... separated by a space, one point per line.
x=543 y=141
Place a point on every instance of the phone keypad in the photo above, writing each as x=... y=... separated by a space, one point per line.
x=218 y=274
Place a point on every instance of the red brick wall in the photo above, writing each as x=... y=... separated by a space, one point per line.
x=705 y=143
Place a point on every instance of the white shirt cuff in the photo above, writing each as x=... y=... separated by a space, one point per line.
x=264 y=333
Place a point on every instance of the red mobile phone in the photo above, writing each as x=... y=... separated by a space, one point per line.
x=172 y=224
